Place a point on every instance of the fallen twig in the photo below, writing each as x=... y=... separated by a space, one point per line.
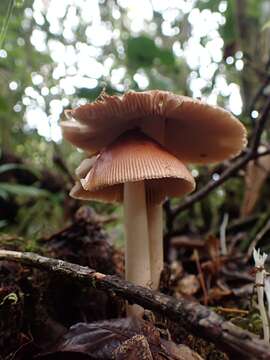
x=201 y=277
x=231 y=310
x=199 y=319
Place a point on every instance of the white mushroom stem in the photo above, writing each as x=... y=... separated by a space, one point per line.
x=137 y=258
x=155 y=227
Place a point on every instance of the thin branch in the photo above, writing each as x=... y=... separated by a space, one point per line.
x=197 y=318
x=212 y=184
x=257 y=239
x=250 y=154
x=258 y=130
x=259 y=94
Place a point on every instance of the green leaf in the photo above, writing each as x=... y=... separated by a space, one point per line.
x=228 y=30
x=266 y=25
x=254 y=9
x=3 y=223
x=3 y=194
x=23 y=190
x=3 y=104
x=12 y=298
x=166 y=57
x=19 y=3
x=208 y=4
x=11 y=166
x=141 y=51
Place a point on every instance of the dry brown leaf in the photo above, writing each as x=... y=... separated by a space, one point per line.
x=127 y=339
x=135 y=348
x=215 y=263
x=213 y=246
x=216 y=293
x=256 y=174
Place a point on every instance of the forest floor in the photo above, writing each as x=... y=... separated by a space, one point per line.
x=47 y=315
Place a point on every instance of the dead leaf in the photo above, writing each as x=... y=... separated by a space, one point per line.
x=216 y=293
x=256 y=174
x=136 y=348
x=182 y=352
x=126 y=338
x=214 y=265
x=213 y=246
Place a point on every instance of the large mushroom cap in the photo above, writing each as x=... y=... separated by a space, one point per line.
x=134 y=157
x=190 y=129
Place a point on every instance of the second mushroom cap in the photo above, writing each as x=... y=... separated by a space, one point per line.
x=135 y=157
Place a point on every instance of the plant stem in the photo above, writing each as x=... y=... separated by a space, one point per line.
x=260 y=293
x=6 y=22
x=155 y=226
x=137 y=258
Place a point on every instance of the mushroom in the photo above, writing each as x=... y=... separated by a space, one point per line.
x=139 y=172
x=180 y=128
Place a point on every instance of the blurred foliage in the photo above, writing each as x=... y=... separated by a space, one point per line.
x=143 y=52
x=155 y=55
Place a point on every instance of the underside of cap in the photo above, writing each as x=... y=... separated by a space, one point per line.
x=155 y=191
x=135 y=157
x=190 y=129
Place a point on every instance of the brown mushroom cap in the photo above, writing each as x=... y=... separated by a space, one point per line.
x=134 y=157
x=193 y=131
